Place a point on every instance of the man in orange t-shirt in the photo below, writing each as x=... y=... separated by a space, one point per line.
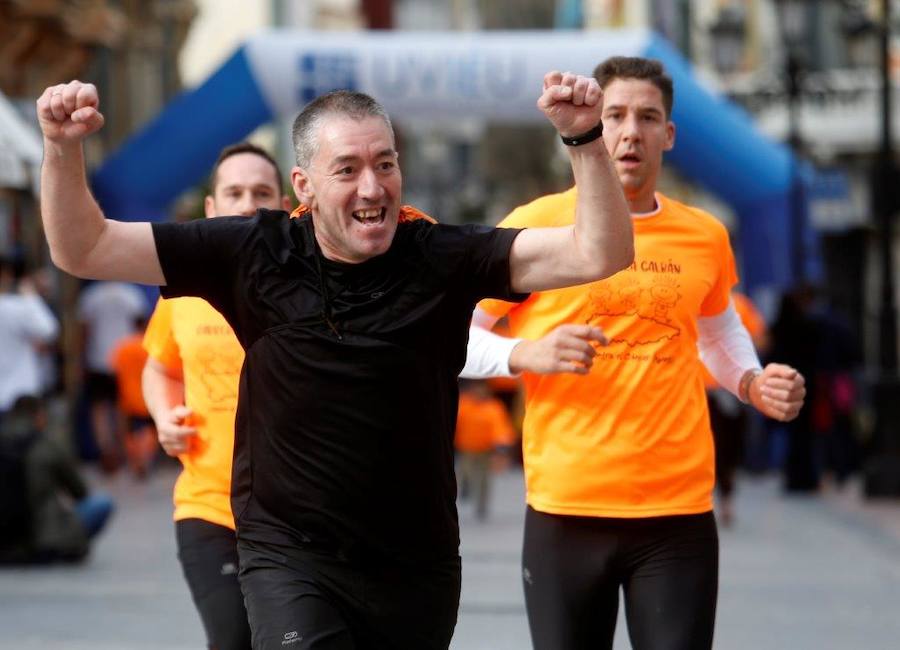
x=617 y=445
x=191 y=388
x=483 y=428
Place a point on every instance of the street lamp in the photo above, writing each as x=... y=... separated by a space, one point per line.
x=886 y=203
x=882 y=472
x=727 y=34
x=861 y=34
x=792 y=15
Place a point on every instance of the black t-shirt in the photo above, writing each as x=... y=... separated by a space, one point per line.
x=348 y=395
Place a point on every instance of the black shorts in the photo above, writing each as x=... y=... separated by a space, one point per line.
x=100 y=387
x=297 y=600
x=209 y=559
x=667 y=567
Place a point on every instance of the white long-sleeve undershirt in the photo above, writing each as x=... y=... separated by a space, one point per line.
x=487 y=354
x=726 y=348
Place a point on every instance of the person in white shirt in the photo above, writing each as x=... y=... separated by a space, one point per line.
x=107 y=313
x=25 y=323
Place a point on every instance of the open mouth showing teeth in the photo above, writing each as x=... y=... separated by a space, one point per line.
x=630 y=158
x=371 y=217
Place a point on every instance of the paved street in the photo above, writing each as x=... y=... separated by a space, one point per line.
x=800 y=573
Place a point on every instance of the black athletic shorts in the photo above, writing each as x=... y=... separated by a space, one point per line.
x=209 y=560
x=667 y=567
x=299 y=600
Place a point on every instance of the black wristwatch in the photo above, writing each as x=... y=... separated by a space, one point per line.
x=584 y=138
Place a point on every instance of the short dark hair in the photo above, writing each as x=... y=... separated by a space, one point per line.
x=348 y=103
x=244 y=147
x=633 y=67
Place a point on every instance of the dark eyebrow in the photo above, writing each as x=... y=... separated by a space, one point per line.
x=340 y=160
x=641 y=109
x=343 y=160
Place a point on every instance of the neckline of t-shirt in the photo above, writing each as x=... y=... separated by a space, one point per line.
x=344 y=268
x=655 y=212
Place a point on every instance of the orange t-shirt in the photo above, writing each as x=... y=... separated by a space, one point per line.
x=127 y=361
x=482 y=424
x=189 y=334
x=751 y=319
x=631 y=438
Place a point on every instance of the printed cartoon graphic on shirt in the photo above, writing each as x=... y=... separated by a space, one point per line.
x=646 y=295
x=219 y=372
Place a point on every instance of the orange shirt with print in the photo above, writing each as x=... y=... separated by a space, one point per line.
x=127 y=361
x=482 y=424
x=189 y=335
x=631 y=438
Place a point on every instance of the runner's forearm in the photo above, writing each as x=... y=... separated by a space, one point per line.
x=603 y=230
x=162 y=392
x=73 y=222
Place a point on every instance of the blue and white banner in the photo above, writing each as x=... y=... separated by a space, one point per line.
x=439 y=75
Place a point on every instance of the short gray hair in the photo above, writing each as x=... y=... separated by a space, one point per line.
x=348 y=103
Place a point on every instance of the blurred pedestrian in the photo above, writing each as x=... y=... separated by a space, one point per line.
x=795 y=338
x=822 y=441
x=26 y=324
x=45 y=505
x=839 y=359
x=484 y=437
x=191 y=385
x=619 y=459
x=106 y=312
x=354 y=322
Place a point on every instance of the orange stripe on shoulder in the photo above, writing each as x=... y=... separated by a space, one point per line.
x=407 y=213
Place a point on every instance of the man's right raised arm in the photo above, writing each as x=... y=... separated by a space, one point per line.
x=82 y=241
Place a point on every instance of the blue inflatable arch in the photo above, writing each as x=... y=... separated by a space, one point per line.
x=444 y=75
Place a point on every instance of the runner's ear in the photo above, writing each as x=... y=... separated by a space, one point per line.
x=302 y=184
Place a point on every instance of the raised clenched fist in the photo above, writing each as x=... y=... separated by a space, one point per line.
x=68 y=112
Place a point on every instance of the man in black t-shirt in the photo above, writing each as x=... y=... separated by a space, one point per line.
x=354 y=322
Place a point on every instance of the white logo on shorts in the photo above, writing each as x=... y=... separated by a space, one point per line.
x=292 y=637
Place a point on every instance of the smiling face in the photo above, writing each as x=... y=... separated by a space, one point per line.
x=352 y=187
x=244 y=182
x=636 y=131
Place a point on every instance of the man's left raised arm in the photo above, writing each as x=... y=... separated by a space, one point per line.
x=601 y=242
